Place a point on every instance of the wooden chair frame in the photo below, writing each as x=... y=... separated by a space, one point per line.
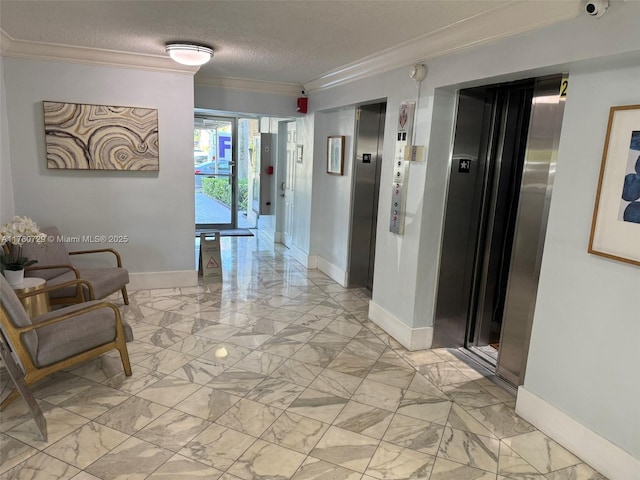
x=33 y=373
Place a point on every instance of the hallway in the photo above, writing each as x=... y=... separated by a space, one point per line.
x=274 y=374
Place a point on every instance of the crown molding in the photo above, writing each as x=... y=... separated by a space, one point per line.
x=10 y=47
x=495 y=24
x=275 y=88
x=501 y=22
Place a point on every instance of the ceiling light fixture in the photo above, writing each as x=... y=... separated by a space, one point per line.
x=189 y=53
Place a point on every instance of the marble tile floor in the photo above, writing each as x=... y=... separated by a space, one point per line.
x=274 y=374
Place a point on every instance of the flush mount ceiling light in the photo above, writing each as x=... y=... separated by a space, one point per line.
x=189 y=53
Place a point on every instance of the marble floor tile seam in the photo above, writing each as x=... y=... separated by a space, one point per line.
x=146 y=474
x=114 y=446
x=439 y=446
x=148 y=340
x=249 y=446
x=222 y=316
x=377 y=445
x=29 y=421
x=43 y=449
x=380 y=443
x=35 y=471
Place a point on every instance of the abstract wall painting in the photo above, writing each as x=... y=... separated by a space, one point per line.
x=630 y=204
x=615 y=230
x=101 y=137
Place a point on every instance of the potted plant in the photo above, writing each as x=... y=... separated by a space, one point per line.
x=12 y=237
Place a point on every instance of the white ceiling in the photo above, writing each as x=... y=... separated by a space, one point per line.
x=285 y=41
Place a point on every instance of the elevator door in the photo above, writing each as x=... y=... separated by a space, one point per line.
x=499 y=191
x=366 y=188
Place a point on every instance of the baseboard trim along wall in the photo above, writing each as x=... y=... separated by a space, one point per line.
x=335 y=273
x=309 y=261
x=410 y=338
x=607 y=458
x=149 y=280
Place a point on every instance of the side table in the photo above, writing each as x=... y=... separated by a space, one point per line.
x=34 y=304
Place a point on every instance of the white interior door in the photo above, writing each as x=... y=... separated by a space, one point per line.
x=288 y=187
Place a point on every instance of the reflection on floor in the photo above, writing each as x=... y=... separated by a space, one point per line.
x=275 y=374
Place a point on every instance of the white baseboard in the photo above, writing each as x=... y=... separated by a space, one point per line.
x=309 y=261
x=148 y=280
x=277 y=237
x=607 y=458
x=335 y=273
x=312 y=261
x=410 y=338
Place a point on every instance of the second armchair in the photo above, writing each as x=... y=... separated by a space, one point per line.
x=54 y=265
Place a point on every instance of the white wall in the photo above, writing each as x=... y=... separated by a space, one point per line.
x=435 y=190
x=331 y=209
x=6 y=185
x=155 y=210
x=395 y=264
x=244 y=101
x=301 y=235
x=584 y=351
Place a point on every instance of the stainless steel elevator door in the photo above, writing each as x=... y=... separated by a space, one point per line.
x=495 y=221
x=366 y=188
x=535 y=196
x=462 y=216
x=503 y=173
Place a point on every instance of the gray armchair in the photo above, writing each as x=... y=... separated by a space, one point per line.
x=62 y=338
x=54 y=265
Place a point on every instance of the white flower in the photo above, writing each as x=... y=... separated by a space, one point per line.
x=20 y=231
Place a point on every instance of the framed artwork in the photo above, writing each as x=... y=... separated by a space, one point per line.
x=299 y=149
x=335 y=155
x=100 y=137
x=615 y=230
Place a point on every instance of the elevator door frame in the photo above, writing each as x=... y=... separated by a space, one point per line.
x=369 y=138
x=463 y=254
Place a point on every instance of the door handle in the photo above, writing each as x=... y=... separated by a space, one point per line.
x=282 y=186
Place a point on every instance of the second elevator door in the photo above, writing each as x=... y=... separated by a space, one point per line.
x=495 y=222
x=366 y=188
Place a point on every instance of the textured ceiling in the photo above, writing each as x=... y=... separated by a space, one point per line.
x=269 y=40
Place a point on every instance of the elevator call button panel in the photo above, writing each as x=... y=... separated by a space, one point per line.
x=401 y=168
